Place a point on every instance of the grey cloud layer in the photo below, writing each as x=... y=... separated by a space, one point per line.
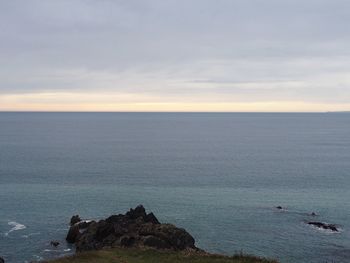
x=288 y=49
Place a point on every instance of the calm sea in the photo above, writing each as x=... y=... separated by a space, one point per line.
x=219 y=175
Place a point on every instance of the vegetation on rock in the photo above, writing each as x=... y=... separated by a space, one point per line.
x=133 y=255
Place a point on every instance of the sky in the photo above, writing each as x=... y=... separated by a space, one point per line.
x=175 y=55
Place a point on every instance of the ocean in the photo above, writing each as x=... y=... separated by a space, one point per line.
x=218 y=175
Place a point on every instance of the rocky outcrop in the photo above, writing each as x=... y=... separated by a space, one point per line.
x=2 y=260
x=134 y=229
x=321 y=225
x=73 y=234
x=74 y=219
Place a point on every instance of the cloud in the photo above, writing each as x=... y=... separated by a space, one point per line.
x=193 y=51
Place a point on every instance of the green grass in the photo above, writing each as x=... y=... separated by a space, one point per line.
x=154 y=256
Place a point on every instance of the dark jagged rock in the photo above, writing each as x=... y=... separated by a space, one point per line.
x=170 y=234
x=134 y=229
x=156 y=242
x=279 y=207
x=104 y=229
x=127 y=241
x=2 y=260
x=83 y=224
x=313 y=214
x=139 y=211
x=331 y=227
x=74 y=230
x=73 y=234
x=151 y=218
x=115 y=218
x=75 y=219
x=54 y=243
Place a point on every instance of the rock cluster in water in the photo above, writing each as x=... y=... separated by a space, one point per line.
x=134 y=229
x=331 y=227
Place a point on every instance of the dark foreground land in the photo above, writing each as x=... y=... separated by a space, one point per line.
x=133 y=255
x=137 y=237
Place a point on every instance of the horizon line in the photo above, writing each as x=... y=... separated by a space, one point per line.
x=39 y=111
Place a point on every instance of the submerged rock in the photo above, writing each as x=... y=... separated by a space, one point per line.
x=134 y=229
x=54 y=243
x=279 y=207
x=331 y=227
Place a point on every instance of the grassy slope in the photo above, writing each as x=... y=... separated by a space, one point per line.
x=153 y=256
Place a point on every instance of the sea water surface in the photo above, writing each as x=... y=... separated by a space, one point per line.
x=219 y=175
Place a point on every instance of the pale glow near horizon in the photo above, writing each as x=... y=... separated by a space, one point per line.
x=120 y=103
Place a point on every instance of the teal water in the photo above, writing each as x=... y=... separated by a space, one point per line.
x=219 y=175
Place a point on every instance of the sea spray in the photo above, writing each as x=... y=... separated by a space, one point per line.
x=15 y=227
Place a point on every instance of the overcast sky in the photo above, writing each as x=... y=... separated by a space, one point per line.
x=175 y=55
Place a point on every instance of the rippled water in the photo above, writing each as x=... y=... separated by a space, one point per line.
x=219 y=175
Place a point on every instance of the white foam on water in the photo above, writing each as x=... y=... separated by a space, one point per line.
x=62 y=229
x=15 y=227
x=327 y=231
x=31 y=234
x=38 y=258
x=57 y=250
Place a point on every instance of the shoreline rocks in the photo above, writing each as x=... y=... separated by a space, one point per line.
x=2 y=260
x=74 y=219
x=320 y=225
x=73 y=234
x=136 y=228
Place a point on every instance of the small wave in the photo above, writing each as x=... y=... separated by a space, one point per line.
x=326 y=231
x=57 y=250
x=38 y=258
x=31 y=234
x=282 y=210
x=15 y=227
x=61 y=229
x=52 y=251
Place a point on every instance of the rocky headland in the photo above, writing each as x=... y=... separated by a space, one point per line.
x=137 y=237
x=132 y=234
x=134 y=229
